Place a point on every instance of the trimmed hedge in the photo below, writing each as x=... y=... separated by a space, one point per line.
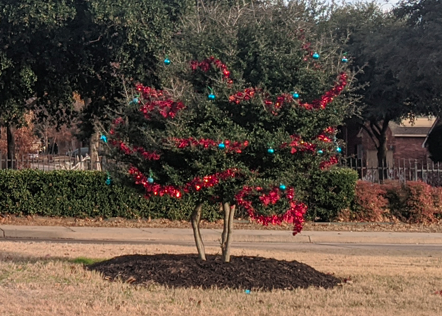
x=413 y=202
x=84 y=194
x=330 y=192
x=81 y=194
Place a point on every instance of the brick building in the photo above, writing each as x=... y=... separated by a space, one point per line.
x=405 y=141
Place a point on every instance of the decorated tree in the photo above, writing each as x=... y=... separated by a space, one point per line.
x=242 y=137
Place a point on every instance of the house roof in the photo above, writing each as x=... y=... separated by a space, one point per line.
x=419 y=128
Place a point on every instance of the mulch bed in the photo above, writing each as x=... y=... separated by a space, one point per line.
x=186 y=271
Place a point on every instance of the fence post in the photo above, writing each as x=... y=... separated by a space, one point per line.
x=415 y=170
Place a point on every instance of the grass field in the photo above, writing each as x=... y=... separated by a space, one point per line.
x=49 y=279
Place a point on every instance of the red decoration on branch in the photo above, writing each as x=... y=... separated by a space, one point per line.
x=328 y=97
x=136 y=149
x=297 y=144
x=245 y=95
x=146 y=155
x=330 y=130
x=205 y=66
x=324 y=138
x=158 y=100
x=167 y=108
x=295 y=214
x=209 y=143
x=196 y=184
x=325 y=164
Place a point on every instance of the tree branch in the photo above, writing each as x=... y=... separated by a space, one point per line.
x=375 y=129
x=369 y=132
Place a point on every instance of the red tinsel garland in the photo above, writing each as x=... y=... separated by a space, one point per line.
x=196 y=184
x=332 y=161
x=274 y=106
x=210 y=143
x=328 y=97
x=205 y=66
x=295 y=214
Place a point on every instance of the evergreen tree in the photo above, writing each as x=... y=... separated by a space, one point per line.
x=246 y=132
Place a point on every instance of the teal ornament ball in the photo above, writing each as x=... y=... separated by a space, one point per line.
x=339 y=149
x=282 y=187
x=167 y=61
x=315 y=55
x=271 y=151
x=221 y=146
x=247 y=291
x=108 y=181
x=150 y=180
x=211 y=97
x=295 y=95
x=103 y=138
x=344 y=59
x=320 y=151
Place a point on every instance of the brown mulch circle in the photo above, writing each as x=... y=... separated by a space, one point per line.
x=187 y=271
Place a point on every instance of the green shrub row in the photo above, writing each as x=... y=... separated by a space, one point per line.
x=79 y=194
x=84 y=194
x=330 y=192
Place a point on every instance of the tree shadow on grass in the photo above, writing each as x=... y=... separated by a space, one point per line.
x=187 y=271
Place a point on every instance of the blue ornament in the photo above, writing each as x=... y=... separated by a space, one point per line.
x=211 y=97
x=134 y=101
x=315 y=55
x=282 y=187
x=320 y=151
x=295 y=95
x=103 y=138
x=108 y=181
x=344 y=59
x=271 y=151
x=150 y=180
x=167 y=61
x=338 y=149
x=247 y=291
x=221 y=146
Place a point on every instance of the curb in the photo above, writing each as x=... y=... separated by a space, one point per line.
x=170 y=235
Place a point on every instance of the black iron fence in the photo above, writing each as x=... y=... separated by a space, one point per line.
x=51 y=162
x=400 y=170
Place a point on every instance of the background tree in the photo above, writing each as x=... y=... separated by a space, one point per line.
x=29 y=41
x=113 y=43
x=420 y=48
x=231 y=133
x=375 y=40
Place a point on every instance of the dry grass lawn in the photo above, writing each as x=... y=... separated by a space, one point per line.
x=39 y=279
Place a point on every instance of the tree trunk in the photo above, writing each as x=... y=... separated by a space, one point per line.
x=11 y=146
x=93 y=150
x=382 y=158
x=382 y=149
x=226 y=238
x=196 y=217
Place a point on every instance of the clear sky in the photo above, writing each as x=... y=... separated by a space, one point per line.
x=387 y=4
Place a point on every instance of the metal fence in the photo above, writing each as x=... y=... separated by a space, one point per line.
x=400 y=170
x=51 y=162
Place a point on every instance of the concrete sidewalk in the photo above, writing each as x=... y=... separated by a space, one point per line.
x=169 y=235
